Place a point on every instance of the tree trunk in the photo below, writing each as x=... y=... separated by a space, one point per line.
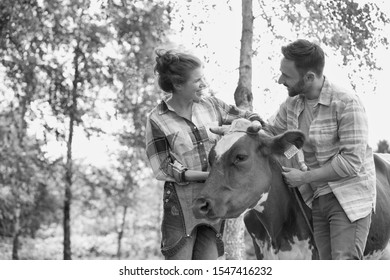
x=68 y=194
x=69 y=160
x=235 y=229
x=234 y=239
x=243 y=94
x=17 y=182
x=120 y=233
x=16 y=233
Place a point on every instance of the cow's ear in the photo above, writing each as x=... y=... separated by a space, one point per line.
x=279 y=144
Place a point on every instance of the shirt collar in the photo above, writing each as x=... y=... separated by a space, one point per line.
x=164 y=107
x=326 y=92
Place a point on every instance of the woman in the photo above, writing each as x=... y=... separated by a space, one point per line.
x=178 y=141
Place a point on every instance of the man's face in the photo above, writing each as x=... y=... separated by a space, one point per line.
x=291 y=78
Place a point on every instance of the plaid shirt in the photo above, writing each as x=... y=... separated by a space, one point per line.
x=175 y=144
x=339 y=134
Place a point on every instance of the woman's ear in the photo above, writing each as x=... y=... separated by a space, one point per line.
x=177 y=86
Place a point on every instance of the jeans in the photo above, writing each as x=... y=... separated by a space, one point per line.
x=203 y=243
x=335 y=236
x=200 y=245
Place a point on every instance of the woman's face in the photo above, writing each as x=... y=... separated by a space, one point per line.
x=193 y=87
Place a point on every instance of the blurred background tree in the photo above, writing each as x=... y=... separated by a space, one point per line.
x=383 y=147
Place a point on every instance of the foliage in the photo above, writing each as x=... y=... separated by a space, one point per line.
x=139 y=30
x=26 y=180
x=351 y=29
x=383 y=147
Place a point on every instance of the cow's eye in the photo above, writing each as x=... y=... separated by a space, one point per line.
x=240 y=158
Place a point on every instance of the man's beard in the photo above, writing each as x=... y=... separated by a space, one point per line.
x=296 y=89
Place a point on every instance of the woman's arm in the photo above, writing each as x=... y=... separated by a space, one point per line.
x=194 y=175
x=231 y=112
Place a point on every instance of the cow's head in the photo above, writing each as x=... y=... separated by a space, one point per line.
x=240 y=169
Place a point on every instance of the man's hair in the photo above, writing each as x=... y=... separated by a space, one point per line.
x=174 y=67
x=307 y=56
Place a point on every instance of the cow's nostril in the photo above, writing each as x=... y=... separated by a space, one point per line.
x=204 y=208
x=201 y=207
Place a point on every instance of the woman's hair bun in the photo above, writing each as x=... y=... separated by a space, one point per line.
x=174 y=67
x=164 y=59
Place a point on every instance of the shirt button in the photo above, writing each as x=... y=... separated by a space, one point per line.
x=204 y=159
x=166 y=200
x=168 y=192
x=201 y=143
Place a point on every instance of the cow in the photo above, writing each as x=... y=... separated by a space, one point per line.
x=245 y=178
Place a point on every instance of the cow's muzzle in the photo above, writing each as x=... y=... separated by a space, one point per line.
x=202 y=208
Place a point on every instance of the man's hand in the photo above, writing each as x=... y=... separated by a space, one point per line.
x=293 y=177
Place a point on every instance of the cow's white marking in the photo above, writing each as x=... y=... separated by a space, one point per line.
x=226 y=143
x=259 y=206
x=300 y=250
x=376 y=255
x=379 y=254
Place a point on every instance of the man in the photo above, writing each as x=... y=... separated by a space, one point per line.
x=340 y=166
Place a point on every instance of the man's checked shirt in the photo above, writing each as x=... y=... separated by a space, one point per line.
x=175 y=144
x=339 y=135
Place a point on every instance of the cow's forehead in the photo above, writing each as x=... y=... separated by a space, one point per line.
x=226 y=143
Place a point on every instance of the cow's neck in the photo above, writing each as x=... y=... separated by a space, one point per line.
x=280 y=210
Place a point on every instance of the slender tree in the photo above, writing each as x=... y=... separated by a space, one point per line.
x=235 y=229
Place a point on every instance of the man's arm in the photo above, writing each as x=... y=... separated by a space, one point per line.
x=278 y=123
x=295 y=177
x=353 y=135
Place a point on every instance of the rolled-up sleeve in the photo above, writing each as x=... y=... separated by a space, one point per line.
x=230 y=112
x=353 y=135
x=278 y=123
x=164 y=165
